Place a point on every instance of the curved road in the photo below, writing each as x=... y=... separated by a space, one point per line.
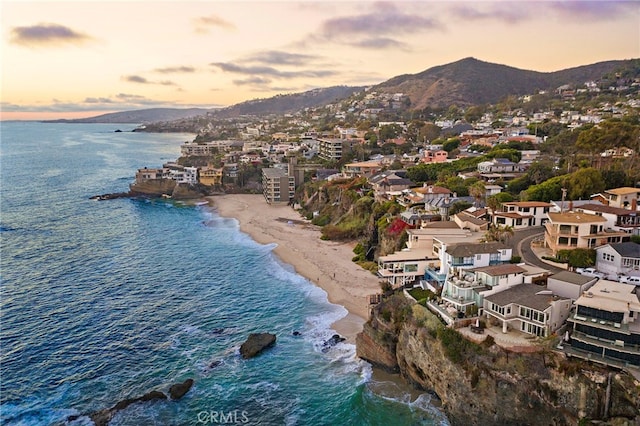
x=521 y=244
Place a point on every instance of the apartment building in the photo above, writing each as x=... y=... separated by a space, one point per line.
x=277 y=186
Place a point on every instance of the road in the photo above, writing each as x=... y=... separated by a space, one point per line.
x=521 y=245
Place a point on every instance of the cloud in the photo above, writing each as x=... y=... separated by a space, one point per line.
x=204 y=23
x=135 y=79
x=252 y=81
x=510 y=13
x=381 y=43
x=271 y=71
x=175 y=70
x=46 y=34
x=142 y=80
x=385 y=19
x=592 y=10
x=278 y=57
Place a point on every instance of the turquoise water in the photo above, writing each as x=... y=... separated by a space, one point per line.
x=102 y=301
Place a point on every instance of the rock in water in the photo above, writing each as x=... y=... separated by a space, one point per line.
x=178 y=390
x=256 y=343
x=334 y=340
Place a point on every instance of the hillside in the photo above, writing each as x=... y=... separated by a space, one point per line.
x=471 y=82
x=140 y=116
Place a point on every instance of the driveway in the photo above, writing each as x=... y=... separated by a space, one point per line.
x=521 y=246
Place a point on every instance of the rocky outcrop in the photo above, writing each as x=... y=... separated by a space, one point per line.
x=332 y=341
x=157 y=187
x=104 y=416
x=256 y=343
x=178 y=390
x=481 y=384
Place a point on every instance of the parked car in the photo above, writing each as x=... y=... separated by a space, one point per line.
x=630 y=279
x=590 y=272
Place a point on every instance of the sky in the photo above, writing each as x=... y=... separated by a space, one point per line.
x=85 y=58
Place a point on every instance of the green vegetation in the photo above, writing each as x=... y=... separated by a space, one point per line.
x=456 y=347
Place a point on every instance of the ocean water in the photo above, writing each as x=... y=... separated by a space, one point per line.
x=102 y=301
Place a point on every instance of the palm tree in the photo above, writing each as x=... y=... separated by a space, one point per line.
x=500 y=233
x=478 y=191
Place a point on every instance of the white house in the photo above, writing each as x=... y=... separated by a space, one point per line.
x=618 y=258
x=521 y=214
x=528 y=308
x=618 y=219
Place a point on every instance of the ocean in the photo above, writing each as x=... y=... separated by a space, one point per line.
x=107 y=300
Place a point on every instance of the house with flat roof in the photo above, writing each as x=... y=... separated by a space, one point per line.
x=521 y=214
x=363 y=168
x=606 y=325
x=527 y=308
x=625 y=198
x=277 y=186
x=571 y=230
x=618 y=258
x=404 y=267
x=569 y=284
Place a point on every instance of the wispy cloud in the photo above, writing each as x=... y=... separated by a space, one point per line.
x=380 y=43
x=47 y=34
x=252 y=81
x=279 y=57
x=138 y=79
x=271 y=71
x=593 y=10
x=204 y=23
x=175 y=70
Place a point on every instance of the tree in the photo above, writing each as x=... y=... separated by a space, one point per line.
x=500 y=233
x=429 y=132
x=494 y=202
x=478 y=191
x=451 y=144
x=459 y=206
x=546 y=191
x=585 y=182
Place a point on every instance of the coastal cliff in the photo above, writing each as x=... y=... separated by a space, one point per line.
x=485 y=384
x=168 y=187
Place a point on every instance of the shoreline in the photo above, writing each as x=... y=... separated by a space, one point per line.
x=327 y=264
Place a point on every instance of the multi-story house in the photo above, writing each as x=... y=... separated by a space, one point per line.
x=618 y=258
x=434 y=156
x=390 y=184
x=277 y=186
x=424 y=194
x=211 y=175
x=606 y=325
x=146 y=174
x=499 y=165
x=570 y=230
x=521 y=214
x=204 y=149
x=618 y=219
x=333 y=149
x=625 y=198
x=362 y=169
x=528 y=308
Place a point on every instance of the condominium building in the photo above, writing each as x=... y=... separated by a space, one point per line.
x=277 y=185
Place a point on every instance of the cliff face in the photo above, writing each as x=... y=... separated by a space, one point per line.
x=481 y=384
x=159 y=187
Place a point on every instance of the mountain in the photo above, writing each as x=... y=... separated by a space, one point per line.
x=470 y=81
x=150 y=115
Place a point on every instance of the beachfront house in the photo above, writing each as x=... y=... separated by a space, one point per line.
x=569 y=284
x=529 y=308
x=606 y=325
x=618 y=259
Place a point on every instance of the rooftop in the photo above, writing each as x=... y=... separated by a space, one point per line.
x=572 y=278
x=623 y=191
x=468 y=250
x=572 y=217
x=611 y=296
x=627 y=249
x=524 y=295
x=608 y=209
x=527 y=204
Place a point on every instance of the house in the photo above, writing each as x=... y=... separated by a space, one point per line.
x=492 y=189
x=425 y=193
x=211 y=175
x=390 y=184
x=571 y=230
x=470 y=255
x=434 y=156
x=625 y=198
x=468 y=220
x=277 y=186
x=569 y=284
x=404 y=267
x=618 y=219
x=332 y=149
x=606 y=325
x=364 y=168
x=618 y=258
x=528 y=308
x=499 y=165
x=521 y=214
x=415 y=217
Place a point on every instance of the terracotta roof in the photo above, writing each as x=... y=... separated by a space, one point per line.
x=513 y=215
x=575 y=218
x=431 y=190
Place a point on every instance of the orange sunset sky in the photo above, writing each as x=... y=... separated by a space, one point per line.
x=84 y=58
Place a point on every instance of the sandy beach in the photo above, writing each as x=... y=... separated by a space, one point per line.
x=326 y=263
